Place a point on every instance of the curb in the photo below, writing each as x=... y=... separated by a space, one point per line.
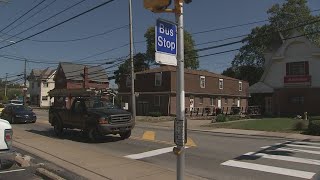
x=229 y=133
x=47 y=174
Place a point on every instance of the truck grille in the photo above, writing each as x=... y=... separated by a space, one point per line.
x=118 y=119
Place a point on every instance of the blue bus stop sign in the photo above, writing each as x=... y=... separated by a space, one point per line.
x=166 y=37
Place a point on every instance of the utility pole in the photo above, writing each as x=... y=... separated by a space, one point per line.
x=133 y=96
x=5 y=86
x=180 y=89
x=25 y=82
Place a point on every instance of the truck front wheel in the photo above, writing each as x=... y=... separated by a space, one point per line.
x=125 y=135
x=57 y=127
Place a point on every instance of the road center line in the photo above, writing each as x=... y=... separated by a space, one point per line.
x=151 y=153
x=284 y=158
x=15 y=170
x=270 y=169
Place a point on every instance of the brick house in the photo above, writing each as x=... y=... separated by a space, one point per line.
x=156 y=91
x=290 y=84
x=40 y=83
x=78 y=76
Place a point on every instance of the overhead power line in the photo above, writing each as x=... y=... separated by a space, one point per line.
x=39 y=11
x=56 y=25
x=23 y=15
x=83 y=38
x=60 y=12
x=235 y=26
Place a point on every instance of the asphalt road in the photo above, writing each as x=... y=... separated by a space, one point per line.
x=211 y=156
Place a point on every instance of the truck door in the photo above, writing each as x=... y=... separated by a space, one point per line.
x=76 y=115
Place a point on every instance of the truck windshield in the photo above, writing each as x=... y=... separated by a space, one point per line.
x=99 y=104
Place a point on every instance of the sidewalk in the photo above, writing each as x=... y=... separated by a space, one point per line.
x=85 y=160
x=197 y=125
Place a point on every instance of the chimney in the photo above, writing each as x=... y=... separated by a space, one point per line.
x=85 y=78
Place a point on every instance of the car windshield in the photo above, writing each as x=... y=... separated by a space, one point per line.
x=99 y=104
x=20 y=108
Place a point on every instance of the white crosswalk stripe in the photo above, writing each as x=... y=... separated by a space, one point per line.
x=311 y=149
x=270 y=169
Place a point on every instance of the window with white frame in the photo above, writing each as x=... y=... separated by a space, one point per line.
x=157 y=100
x=158 y=79
x=44 y=98
x=212 y=101
x=202 y=82
x=220 y=83
x=200 y=100
x=240 y=86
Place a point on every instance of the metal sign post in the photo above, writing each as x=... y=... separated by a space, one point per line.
x=180 y=120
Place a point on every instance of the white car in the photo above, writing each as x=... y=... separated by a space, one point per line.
x=7 y=155
x=15 y=102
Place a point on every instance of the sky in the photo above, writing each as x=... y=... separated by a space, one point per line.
x=200 y=15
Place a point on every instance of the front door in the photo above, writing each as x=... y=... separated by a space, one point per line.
x=191 y=103
x=268 y=105
x=219 y=102
x=238 y=103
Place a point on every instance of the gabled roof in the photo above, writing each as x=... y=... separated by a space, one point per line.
x=74 y=71
x=187 y=71
x=42 y=74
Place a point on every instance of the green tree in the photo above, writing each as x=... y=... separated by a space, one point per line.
x=191 y=55
x=246 y=73
x=282 y=18
x=140 y=64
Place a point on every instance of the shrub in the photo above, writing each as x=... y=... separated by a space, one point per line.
x=299 y=126
x=314 y=127
x=234 y=117
x=235 y=110
x=155 y=114
x=221 y=118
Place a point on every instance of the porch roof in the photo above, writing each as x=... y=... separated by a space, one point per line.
x=260 y=87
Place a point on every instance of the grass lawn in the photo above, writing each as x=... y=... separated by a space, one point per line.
x=265 y=124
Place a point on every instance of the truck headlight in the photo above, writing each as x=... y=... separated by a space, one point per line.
x=103 y=120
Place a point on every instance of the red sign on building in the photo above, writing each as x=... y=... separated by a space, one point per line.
x=297 y=79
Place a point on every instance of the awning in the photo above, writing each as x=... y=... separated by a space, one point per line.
x=260 y=87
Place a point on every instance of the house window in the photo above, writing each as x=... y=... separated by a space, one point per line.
x=234 y=101
x=225 y=100
x=128 y=81
x=211 y=101
x=220 y=83
x=45 y=84
x=240 y=86
x=200 y=100
x=202 y=81
x=158 y=79
x=296 y=100
x=157 y=100
x=44 y=98
x=297 y=68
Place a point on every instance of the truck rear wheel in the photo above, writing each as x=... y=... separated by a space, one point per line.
x=125 y=135
x=58 y=128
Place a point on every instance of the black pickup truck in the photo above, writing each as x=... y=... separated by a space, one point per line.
x=93 y=116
